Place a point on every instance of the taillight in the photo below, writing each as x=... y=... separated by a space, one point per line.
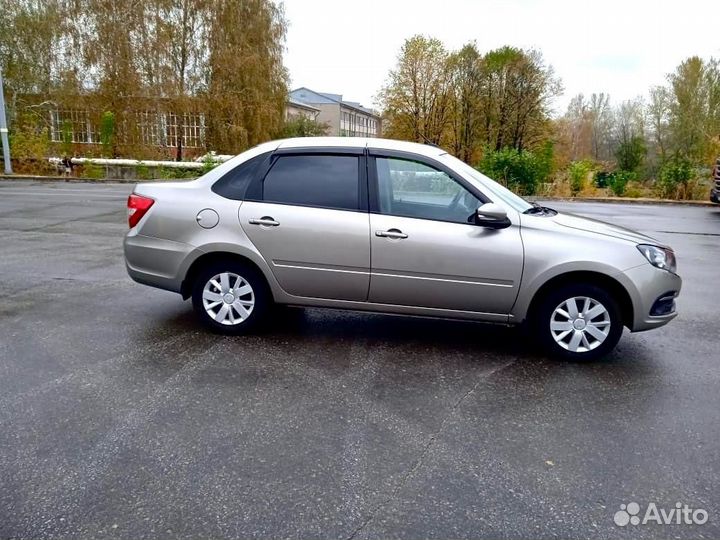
x=137 y=206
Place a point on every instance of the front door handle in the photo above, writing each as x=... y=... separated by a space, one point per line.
x=391 y=233
x=265 y=220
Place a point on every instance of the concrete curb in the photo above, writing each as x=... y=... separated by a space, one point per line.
x=32 y=178
x=625 y=200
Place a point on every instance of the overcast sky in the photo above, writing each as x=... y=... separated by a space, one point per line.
x=617 y=46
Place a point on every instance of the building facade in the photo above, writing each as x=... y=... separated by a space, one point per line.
x=298 y=109
x=344 y=118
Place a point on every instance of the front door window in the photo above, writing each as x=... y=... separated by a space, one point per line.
x=413 y=189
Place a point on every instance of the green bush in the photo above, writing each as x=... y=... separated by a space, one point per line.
x=90 y=170
x=619 y=181
x=578 y=172
x=143 y=172
x=616 y=181
x=208 y=164
x=300 y=126
x=631 y=154
x=634 y=190
x=29 y=139
x=675 y=174
x=602 y=179
x=519 y=171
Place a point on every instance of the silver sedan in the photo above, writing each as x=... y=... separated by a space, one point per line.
x=395 y=227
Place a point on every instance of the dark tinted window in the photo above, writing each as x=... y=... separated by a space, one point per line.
x=234 y=183
x=314 y=180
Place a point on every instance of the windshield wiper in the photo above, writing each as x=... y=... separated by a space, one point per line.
x=540 y=210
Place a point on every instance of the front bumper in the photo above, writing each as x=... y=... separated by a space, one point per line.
x=650 y=287
x=715 y=195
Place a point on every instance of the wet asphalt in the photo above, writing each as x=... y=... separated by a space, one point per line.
x=121 y=418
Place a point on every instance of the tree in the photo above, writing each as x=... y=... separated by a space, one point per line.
x=173 y=40
x=415 y=99
x=245 y=78
x=518 y=89
x=223 y=57
x=630 y=154
x=470 y=101
x=659 y=118
x=579 y=128
x=629 y=140
x=300 y=126
x=466 y=83
x=694 y=109
x=28 y=56
x=601 y=116
x=587 y=126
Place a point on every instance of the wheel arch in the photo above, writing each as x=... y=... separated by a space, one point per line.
x=610 y=284
x=213 y=257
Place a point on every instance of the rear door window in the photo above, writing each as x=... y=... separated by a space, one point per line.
x=324 y=181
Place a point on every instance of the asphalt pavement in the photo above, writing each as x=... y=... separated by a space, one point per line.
x=121 y=418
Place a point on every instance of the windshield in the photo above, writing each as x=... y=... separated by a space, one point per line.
x=514 y=201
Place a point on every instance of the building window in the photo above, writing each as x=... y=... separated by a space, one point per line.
x=153 y=128
x=72 y=124
x=149 y=128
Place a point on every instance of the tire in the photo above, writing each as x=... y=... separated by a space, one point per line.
x=568 y=333
x=230 y=297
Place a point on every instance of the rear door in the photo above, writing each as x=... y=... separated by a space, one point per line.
x=427 y=251
x=308 y=218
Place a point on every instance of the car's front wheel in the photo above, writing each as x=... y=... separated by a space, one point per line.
x=578 y=322
x=230 y=298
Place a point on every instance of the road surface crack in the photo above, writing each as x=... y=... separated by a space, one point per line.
x=425 y=451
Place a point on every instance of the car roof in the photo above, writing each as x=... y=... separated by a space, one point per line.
x=361 y=142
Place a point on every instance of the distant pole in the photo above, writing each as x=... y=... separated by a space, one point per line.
x=4 y=130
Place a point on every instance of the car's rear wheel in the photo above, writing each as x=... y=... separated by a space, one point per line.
x=578 y=322
x=231 y=297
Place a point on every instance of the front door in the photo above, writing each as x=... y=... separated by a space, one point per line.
x=311 y=225
x=426 y=249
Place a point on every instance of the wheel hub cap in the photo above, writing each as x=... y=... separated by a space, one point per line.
x=580 y=324
x=228 y=298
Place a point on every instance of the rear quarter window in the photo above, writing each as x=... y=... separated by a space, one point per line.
x=233 y=184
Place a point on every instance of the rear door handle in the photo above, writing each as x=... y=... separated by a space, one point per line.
x=391 y=233
x=265 y=220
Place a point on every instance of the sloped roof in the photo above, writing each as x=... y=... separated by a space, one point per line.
x=316 y=98
x=301 y=104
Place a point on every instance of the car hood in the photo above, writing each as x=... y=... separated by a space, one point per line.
x=600 y=227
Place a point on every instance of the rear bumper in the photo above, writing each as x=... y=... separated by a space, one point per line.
x=157 y=262
x=650 y=288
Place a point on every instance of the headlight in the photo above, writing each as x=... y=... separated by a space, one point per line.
x=661 y=257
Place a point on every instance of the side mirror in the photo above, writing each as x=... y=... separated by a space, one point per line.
x=492 y=216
